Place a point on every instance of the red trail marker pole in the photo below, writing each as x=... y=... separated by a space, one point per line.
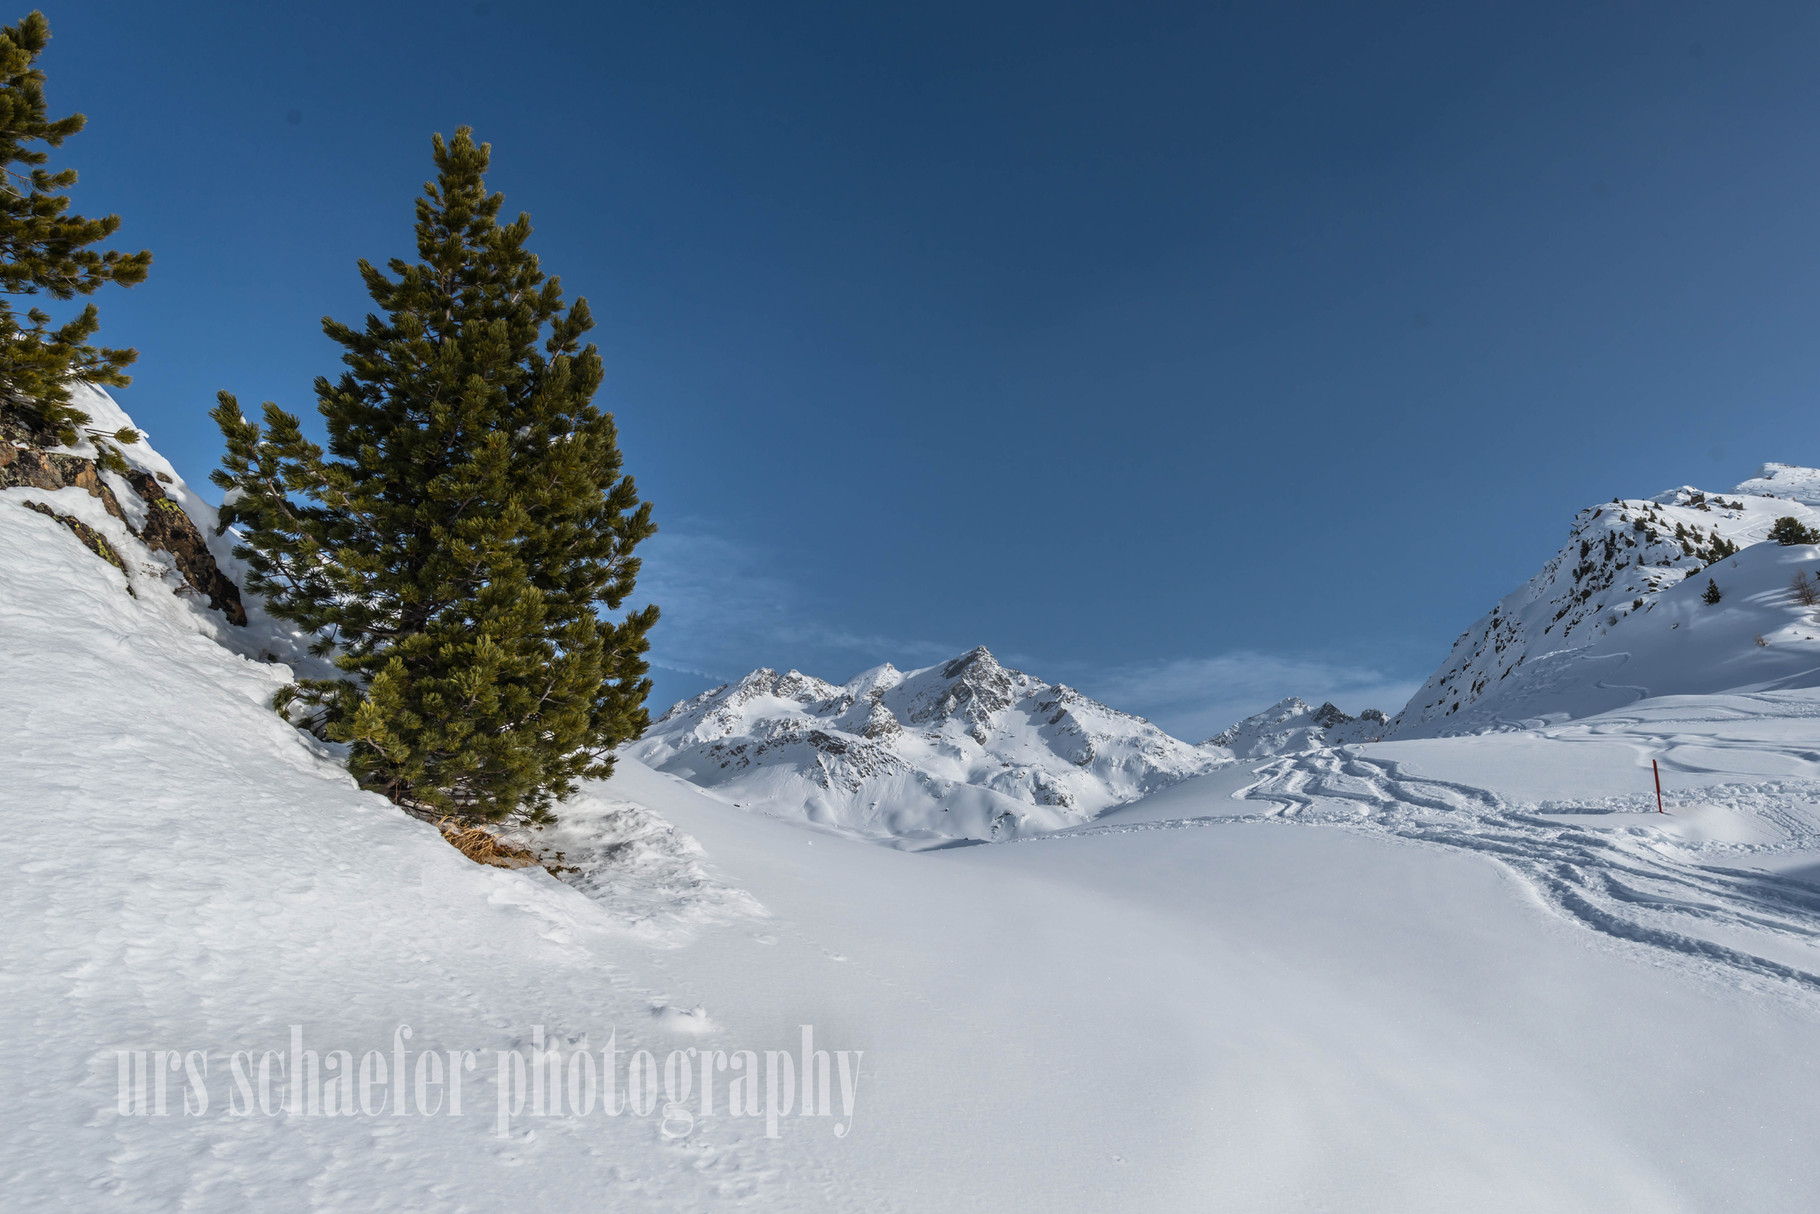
x=1658 y=771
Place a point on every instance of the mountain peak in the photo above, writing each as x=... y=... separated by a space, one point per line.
x=962 y=749
x=874 y=682
x=1290 y=726
x=979 y=657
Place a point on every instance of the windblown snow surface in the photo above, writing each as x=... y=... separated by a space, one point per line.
x=1465 y=973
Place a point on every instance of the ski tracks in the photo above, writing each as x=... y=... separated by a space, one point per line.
x=1700 y=903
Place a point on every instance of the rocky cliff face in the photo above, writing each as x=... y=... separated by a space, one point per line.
x=964 y=749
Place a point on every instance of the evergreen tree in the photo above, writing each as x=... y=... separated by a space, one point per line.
x=46 y=250
x=470 y=518
x=1790 y=530
x=1711 y=593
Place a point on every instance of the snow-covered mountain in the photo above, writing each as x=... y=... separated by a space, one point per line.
x=963 y=749
x=1291 y=727
x=1566 y=643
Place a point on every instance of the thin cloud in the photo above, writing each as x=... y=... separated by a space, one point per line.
x=724 y=613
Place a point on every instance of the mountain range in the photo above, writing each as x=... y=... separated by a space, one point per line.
x=963 y=749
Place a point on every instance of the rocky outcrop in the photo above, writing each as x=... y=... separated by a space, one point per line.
x=23 y=467
x=168 y=529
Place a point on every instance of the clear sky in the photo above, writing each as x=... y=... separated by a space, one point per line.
x=1193 y=355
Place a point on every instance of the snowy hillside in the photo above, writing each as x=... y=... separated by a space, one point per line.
x=963 y=749
x=1785 y=481
x=1291 y=726
x=1552 y=647
x=1464 y=973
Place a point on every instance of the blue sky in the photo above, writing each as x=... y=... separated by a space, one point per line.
x=1191 y=354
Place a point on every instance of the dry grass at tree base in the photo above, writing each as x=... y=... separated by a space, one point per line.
x=483 y=847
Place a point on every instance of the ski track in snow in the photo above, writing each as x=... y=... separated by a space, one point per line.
x=1627 y=882
x=1610 y=866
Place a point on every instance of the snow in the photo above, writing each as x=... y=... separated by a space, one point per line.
x=1561 y=645
x=1291 y=725
x=1785 y=480
x=1232 y=1010
x=965 y=749
x=1433 y=974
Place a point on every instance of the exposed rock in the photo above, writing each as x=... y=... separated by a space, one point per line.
x=26 y=463
x=880 y=722
x=978 y=687
x=168 y=529
x=1329 y=715
x=30 y=468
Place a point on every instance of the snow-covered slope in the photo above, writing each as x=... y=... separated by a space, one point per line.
x=963 y=749
x=1291 y=726
x=1478 y=973
x=1785 y=481
x=188 y=872
x=1548 y=648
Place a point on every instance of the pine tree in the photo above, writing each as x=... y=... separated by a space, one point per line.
x=46 y=250
x=469 y=520
x=1789 y=530
x=1711 y=593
